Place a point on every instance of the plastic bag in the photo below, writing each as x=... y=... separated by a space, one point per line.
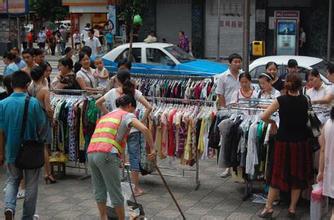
x=126 y=191
x=319 y=203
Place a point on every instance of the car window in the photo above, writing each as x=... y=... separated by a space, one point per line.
x=179 y=54
x=136 y=55
x=156 y=56
x=255 y=73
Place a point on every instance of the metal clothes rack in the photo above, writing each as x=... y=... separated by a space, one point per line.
x=180 y=101
x=252 y=107
x=162 y=76
x=185 y=102
x=73 y=93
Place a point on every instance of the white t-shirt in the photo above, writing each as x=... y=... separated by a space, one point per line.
x=93 y=43
x=111 y=96
x=273 y=95
x=237 y=95
x=227 y=85
x=41 y=37
x=317 y=94
x=88 y=77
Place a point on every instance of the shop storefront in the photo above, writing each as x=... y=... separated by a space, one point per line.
x=229 y=24
x=87 y=11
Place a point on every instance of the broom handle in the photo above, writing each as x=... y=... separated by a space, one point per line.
x=169 y=191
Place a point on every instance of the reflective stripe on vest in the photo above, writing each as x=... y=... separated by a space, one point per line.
x=104 y=137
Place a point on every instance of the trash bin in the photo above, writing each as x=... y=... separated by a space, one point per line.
x=258 y=48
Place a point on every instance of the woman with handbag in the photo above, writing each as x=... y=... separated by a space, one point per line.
x=318 y=90
x=105 y=151
x=292 y=162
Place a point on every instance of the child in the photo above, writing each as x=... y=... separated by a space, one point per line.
x=101 y=74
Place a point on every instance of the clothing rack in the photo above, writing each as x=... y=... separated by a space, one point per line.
x=180 y=101
x=170 y=167
x=163 y=76
x=74 y=94
x=241 y=107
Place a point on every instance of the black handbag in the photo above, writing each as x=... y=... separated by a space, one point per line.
x=31 y=153
x=314 y=126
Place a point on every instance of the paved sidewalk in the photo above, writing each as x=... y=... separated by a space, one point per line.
x=216 y=198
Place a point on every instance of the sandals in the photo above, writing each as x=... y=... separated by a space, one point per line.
x=291 y=214
x=266 y=213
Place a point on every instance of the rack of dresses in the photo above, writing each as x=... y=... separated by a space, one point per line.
x=244 y=141
x=180 y=130
x=75 y=115
x=182 y=87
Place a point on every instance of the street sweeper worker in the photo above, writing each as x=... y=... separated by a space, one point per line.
x=106 y=149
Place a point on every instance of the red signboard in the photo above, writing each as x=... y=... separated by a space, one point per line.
x=287 y=14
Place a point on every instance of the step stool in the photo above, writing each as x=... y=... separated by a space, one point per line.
x=61 y=168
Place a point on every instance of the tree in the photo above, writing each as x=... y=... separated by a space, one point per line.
x=49 y=10
x=128 y=10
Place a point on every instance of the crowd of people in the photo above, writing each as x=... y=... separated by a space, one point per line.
x=118 y=127
x=294 y=160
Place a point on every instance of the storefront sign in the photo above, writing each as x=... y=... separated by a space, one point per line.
x=112 y=18
x=18 y=6
x=286 y=37
x=286 y=29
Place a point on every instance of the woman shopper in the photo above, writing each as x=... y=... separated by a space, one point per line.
x=65 y=78
x=246 y=91
x=38 y=90
x=267 y=91
x=108 y=102
x=272 y=70
x=326 y=162
x=292 y=161
x=84 y=76
x=318 y=91
x=105 y=150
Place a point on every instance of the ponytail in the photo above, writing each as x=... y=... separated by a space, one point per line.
x=128 y=87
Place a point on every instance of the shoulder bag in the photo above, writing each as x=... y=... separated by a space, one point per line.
x=31 y=153
x=314 y=126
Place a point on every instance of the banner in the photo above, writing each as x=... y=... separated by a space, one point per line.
x=18 y=6
x=3 y=6
x=112 y=18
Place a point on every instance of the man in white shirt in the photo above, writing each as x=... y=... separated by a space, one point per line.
x=41 y=39
x=228 y=84
x=93 y=42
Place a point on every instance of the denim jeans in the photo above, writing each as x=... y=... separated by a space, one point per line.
x=14 y=176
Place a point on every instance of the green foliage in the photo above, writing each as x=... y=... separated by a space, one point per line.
x=130 y=8
x=49 y=10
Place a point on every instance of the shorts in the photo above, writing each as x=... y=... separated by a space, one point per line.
x=135 y=142
x=106 y=177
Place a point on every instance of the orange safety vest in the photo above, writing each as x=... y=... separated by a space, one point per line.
x=104 y=137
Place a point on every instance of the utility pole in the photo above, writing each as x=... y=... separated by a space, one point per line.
x=246 y=30
x=329 y=34
x=218 y=31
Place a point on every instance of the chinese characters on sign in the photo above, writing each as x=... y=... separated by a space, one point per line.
x=230 y=24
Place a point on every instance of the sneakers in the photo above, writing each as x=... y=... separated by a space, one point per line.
x=225 y=173
x=9 y=214
x=36 y=217
x=21 y=194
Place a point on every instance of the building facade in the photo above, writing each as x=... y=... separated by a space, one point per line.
x=210 y=27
